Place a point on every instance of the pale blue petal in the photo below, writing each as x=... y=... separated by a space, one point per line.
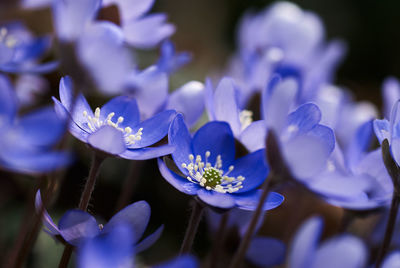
x=215 y=199
x=107 y=139
x=148 y=152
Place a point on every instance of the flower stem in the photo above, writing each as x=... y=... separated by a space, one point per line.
x=191 y=230
x=97 y=160
x=389 y=229
x=219 y=240
x=244 y=244
x=129 y=184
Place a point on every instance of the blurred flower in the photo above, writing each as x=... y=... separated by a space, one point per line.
x=341 y=251
x=29 y=88
x=206 y=167
x=390 y=94
x=125 y=137
x=20 y=50
x=26 y=142
x=223 y=105
x=76 y=225
x=170 y=60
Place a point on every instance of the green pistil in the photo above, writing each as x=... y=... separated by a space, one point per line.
x=212 y=176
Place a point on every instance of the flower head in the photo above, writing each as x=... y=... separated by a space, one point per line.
x=115 y=128
x=206 y=167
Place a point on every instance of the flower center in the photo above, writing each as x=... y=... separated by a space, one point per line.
x=246 y=118
x=94 y=123
x=7 y=39
x=212 y=177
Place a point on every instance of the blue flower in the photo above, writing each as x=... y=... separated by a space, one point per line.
x=223 y=105
x=341 y=251
x=207 y=168
x=76 y=225
x=170 y=61
x=305 y=144
x=114 y=249
x=20 y=51
x=26 y=142
x=390 y=94
x=115 y=128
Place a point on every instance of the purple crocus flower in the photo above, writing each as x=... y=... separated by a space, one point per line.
x=26 y=142
x=76 y=225
x=115 y=128
x=341 y=251
x=206 y=167
x=20 y=50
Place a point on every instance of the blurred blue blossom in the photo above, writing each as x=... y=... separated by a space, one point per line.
x=390 y=94
x=76 y=225
x=124 y=136
x=20 y=50
x=207 y=168
x=26 y=142
x=170 y=60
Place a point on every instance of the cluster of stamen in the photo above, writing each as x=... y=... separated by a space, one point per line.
x=7 y=39
x=246 y=118
x=94 y=123
x=212 y=177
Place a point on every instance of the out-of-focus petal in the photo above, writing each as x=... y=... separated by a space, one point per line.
x=149 y=240
x=250 y=200
x=266 y=251
x=107 y=139
x=253 y=136
x=148 y=152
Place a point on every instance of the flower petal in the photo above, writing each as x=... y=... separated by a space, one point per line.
x=136 y=215
x=382 y=129
x=188 y=100
x=122 y=106
x=249 y=200
x=179 y=137
x=266 y=251
x=107 y=139
x=149 y=240
x=253 y=136
x=305 y=243
x=181 y=184
x=8 y=101
x=183 y=261
x=148 y=152
x=253 y=168
x=390 y=94
x=131 y=9
x=47 y=220
x=304 y=118
x=154 y=129
x=216 y=199
x=76 y=225
x=392 y=260
x=217 y=138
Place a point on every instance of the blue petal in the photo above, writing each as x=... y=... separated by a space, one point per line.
x=392 y=260
x=32 y=50
x=390 y=94
x=148 y=152
x=76 y=225
x=8 y=101
x=253 y=136
x=188 y=100
x=305 y=243
x=179 y=137
x=149 y=240
x=35 y=163
x=382 y=129
x=170 y=61
x=209 y=99
x=183 y=261
x=148 y=31
x=266 y=252
x=132 y=9
x=34 y=127
x=324 y=134
x=154 y=129
x=114 y=249
x=250 y=200
x=108 y=139
x=343 y=251
x=216 y=199
x=253 y=168
x=47 y=220
x=277 y=105
x=226 y=106
x=306 y=117
x=29 y=68
x=122 y=106
x=136 y=215
x=359 y=144
x=394 y=121
x=181 y=184
x=217 y=138
x=81 y=104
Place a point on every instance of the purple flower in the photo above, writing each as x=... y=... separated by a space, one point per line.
x=170 y=61
x=115 y=128
x=341 y=251
x=206 y=167
x=76 y=225
x=26 y=142
x=390 y=94
x=20 y=50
